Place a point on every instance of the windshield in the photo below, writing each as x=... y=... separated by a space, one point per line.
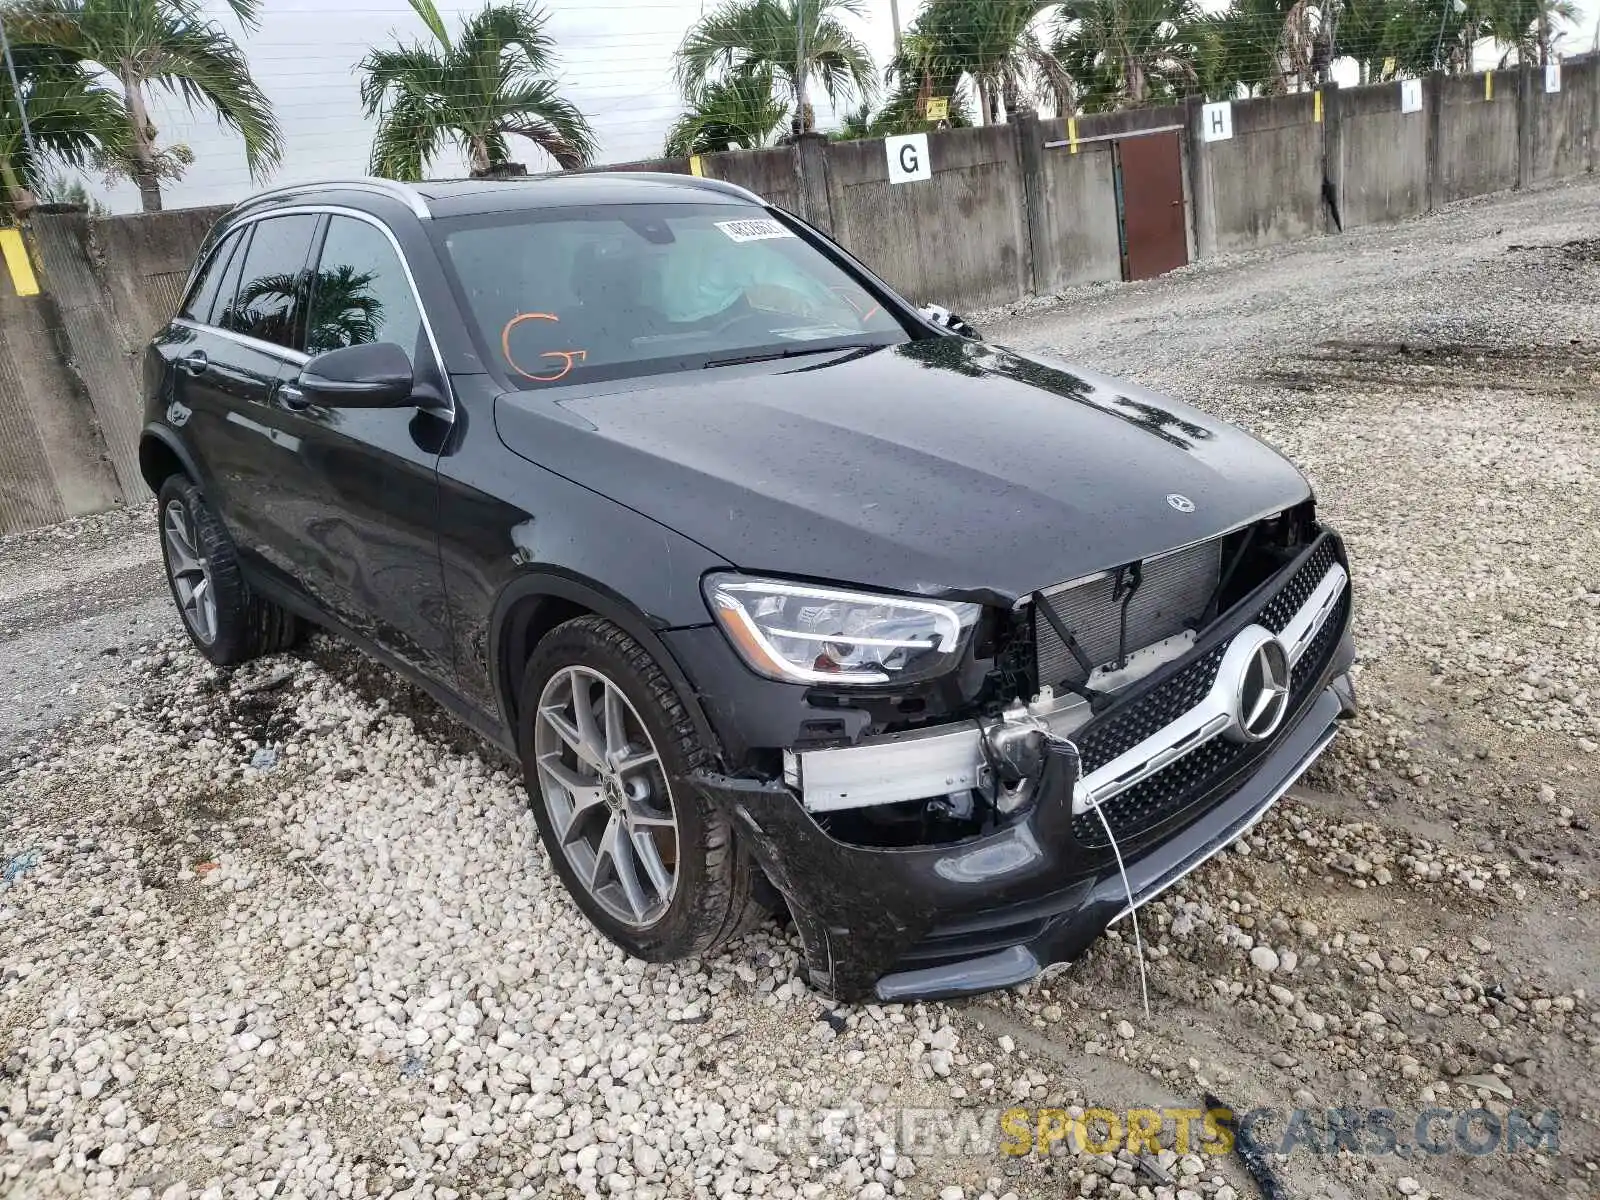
x=562 y=297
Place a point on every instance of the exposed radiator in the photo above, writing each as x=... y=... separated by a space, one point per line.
x=1170 y=598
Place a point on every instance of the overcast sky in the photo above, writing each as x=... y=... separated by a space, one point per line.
x=615 y=65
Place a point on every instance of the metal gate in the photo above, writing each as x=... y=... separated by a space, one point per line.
x=1150 y=216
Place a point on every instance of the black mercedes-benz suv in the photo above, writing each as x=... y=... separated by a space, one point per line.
x=783 y=594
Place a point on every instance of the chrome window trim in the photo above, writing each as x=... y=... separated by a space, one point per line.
x=300 y=358
x=296 y=357
x=391 y=188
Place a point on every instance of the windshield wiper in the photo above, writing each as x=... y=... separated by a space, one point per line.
x=771 y=355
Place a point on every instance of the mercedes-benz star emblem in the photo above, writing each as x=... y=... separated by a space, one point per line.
x=1263 y=691
x=1182 y=503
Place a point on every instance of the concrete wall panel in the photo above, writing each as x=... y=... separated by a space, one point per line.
x=1266 y=181
x=1383 y=156
x=1477 y=146
x=52 y=461
x=770 y=174
x=1079 y=202
x=959 y=238
x=1563 y=122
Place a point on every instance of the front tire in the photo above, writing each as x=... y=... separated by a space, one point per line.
x=607 y=750
x=227 y=621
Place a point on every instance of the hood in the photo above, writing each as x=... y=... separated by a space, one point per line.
x=940 y=467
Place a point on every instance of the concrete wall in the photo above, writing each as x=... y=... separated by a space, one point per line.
x=1079 y=209
x=1476 y=149
x=1264 y=185
x=958 y=239
x=52 y=461
x=143 y=264
x=1563 y=123
x=768 y=173
x=1378 y=155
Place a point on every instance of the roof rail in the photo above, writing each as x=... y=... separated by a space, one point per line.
x=366 y=183
x=704 y=182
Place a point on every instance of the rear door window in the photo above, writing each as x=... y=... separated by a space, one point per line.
x=360 y=292
x=270 y=303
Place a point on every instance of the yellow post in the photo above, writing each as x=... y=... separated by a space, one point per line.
x=15 y=252
x=1488 y=85
x=1316 y=107
x=694 y=165
x=1072 y=135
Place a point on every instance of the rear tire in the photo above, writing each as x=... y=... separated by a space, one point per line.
x=615 y=794
x=225 y=619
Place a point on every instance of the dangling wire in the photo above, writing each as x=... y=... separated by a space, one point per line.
x=1066 y=748
x=1133 y=912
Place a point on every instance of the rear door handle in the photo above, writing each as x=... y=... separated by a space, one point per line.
x=195 y=362
x=290 y=396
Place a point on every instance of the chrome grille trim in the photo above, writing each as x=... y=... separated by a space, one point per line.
x=1213 y=715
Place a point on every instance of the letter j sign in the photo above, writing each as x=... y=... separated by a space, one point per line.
x=908 y=158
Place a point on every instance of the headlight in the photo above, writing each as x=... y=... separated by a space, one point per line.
x=804 y=634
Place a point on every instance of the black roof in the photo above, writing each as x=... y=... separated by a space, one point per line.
x=464 y=197
x=454 y=198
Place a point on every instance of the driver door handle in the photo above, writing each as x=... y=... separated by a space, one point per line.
x=291 y=397
x=195 y=362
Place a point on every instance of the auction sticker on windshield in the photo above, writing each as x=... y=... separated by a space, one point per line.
x=754 y=231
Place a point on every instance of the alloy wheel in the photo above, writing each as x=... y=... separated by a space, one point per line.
x=606 y=793
x=190 y=572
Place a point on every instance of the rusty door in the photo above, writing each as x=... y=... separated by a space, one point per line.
x=1150 y=213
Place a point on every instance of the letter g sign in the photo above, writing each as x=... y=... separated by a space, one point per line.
x=909 y=161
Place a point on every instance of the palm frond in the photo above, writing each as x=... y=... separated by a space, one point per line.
x=209 y=70
x=487 y=34
x=535 y=110
x=408 y=137
x=429 y=12
x=489 y=82
x=740 y=110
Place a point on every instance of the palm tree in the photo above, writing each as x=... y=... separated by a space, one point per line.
x=738 y=111
x=1128 y=52
x=167 y=44
x=995 y=45
x=489 y=83
x=746 y=37
x=74 y=121
x=1265 y=47
x=1524 y=27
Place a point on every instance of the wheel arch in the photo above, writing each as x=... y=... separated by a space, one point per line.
x=535 y=603
x=161 y=454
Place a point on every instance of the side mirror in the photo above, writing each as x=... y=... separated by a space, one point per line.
x=945 y=319
x=377 y=375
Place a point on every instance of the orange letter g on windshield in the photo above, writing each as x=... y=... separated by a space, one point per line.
x=569 y=358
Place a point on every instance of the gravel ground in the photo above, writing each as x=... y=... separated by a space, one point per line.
x=350 y=972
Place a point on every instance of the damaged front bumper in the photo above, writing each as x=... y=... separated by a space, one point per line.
x=989 y=911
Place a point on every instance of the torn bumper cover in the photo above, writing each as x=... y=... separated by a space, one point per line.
x=1177 y=785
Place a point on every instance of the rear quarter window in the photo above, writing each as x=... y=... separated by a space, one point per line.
x=202 y=301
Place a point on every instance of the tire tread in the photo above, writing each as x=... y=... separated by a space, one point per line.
x=728 y=905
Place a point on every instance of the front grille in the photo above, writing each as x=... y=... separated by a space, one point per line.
x=1193 y=779
x=1280 y=610
x=1130 y=723
x=1171 y=596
